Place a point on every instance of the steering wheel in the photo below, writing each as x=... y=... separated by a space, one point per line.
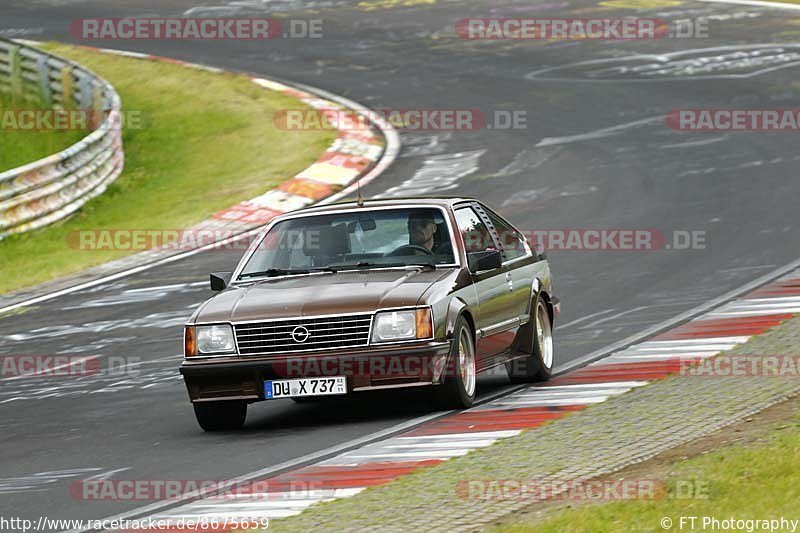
x=401 y=250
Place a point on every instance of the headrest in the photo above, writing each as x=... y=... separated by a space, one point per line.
x=326 y=240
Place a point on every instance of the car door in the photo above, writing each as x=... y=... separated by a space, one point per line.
x=497 y=318
x=517 y=260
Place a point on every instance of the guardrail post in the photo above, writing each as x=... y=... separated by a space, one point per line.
x=16 y=74
x=85 y=91
x=67 y=88
x=44 y=81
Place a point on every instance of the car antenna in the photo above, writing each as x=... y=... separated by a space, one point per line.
x=360 y=199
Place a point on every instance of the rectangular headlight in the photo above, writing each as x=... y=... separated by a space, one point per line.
x=402 y=325
x=215 y=339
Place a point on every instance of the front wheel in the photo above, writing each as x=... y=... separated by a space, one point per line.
x=220 y=416
x=458 y=389
x=538 y=366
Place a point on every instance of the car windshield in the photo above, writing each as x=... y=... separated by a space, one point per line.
x=361 y=239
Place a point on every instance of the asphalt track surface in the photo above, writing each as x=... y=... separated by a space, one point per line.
x=595 y=153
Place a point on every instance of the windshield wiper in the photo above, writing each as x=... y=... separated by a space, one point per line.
x=371 y=264
x=270 y=272
x=432 y=266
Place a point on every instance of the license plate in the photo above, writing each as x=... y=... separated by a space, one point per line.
x=286 y=388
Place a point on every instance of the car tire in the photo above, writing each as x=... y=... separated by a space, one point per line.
x=538 y=366
x=458 y=389
x=220 y=416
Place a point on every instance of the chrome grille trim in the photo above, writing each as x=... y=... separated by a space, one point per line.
x=326 y=333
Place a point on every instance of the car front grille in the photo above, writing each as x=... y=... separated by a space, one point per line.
x=290 y=335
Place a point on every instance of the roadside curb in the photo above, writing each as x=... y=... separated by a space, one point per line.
x=757 y=3
x=353 y=156
x=338 y=477
x=628 y=423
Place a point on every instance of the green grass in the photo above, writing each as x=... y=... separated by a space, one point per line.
x=759 y=480
x=208 y=142
x=18 y=147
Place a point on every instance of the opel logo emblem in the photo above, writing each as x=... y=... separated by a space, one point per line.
x=300 y=334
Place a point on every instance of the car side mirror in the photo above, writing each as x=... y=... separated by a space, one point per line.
x=220 y=280
x=486 y=260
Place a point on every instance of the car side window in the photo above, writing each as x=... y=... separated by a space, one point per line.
x=512 y=244
x=474 y=232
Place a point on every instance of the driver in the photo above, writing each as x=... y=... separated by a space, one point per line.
x=421 y=231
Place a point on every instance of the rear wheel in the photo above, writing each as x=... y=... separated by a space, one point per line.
x=219 y=416
x=458 y=389
x=538 y=366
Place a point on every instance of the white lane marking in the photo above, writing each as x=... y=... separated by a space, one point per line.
x=598 y=386
x=556 y=402
x=578 y=395
x=657 y=358
x=697 y=341
x=757 y=55
x=175 y=520
x=776 y=299
x=437 y=173
x=268 y=504
x=762 y=305
x=439 y=454
x=476 y=435
x=299 y=494
x=135 y=55
x=434 y=445
x=168 y=287
x=694 y=144
x=236 y=507
x=754 y=312
x=618 y=315
x=601 y=133
x=584 y=319
x=677 y=349
x=759 y=3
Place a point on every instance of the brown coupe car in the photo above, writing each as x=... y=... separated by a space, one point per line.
x=361 y=296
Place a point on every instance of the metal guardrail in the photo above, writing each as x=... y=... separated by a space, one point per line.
x=50 y=189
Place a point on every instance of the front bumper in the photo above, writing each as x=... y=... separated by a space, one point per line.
x=242 y=377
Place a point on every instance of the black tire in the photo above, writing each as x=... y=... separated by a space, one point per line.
x=221 y=416
x=455 y=392
x=538 y=366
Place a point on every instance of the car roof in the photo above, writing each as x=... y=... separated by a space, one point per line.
x=438 y=201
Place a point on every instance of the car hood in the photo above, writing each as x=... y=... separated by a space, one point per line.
x=319 y=294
